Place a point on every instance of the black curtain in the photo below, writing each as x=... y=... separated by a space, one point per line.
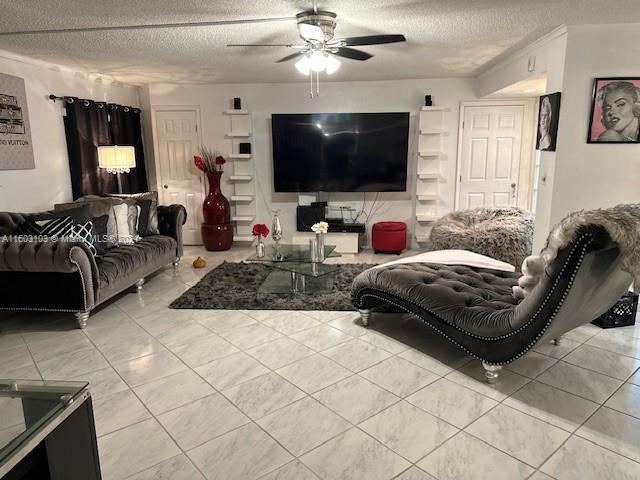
x=86 y=125
x=90 y=124
x=126 y=129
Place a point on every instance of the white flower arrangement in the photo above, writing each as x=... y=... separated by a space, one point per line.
x=320 y=227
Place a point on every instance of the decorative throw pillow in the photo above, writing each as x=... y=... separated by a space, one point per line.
x=51 y=229
x=151 y=217
x=143 y=218
x=100 y=234
x=54 y=225
x=98 y=206
x=122 y=224
x=133 y=213
x=83 y=232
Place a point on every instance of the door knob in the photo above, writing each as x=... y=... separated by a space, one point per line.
x=166 y=186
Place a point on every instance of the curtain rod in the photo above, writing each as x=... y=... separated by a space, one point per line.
x=126 y=108
x=55 y=97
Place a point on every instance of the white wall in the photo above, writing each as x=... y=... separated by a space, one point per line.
x=264 y=99
x=592 y=175
x=549 y=53
x=578 y=175
x=38 y=189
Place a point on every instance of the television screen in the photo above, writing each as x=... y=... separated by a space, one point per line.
x=340 y=152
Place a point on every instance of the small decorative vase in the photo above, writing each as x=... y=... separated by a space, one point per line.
x=320 y=246
x=259 y=248
x=276 y=234
x=276 y=228
x=215 y=209
x=313 y=250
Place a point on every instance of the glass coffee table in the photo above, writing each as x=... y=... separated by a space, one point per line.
x=47 y=431
x=294 y=272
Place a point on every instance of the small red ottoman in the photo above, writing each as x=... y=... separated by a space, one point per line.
x=389 y=237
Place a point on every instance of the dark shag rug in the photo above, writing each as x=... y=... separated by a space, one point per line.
x=234 y=286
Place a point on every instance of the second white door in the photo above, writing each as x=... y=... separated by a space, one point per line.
x=178 y=139
x=491 y=150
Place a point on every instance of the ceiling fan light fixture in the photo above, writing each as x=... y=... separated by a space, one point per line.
x=318 y=61
x=332 y=64
x=304 y=65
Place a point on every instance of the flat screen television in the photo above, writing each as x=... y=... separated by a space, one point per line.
x=340 y=152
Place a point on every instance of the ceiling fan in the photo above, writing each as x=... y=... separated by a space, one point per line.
x=316 y=28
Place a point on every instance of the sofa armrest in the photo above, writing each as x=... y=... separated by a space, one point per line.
x=58 y=257
x=171 y=218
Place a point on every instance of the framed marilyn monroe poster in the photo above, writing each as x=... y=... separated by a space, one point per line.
x=615 y=111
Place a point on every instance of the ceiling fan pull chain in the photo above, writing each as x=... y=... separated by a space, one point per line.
x=310 y=84
x=317 y=84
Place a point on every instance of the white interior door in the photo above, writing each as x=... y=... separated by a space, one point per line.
x=490 y=161
x=181 y=182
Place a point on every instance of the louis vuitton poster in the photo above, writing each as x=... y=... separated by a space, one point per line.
x=16 y=150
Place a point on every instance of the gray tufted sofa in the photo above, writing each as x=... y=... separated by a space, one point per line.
x=64 y=276
x=474 y=308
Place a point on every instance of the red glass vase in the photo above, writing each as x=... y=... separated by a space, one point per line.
x=215 y=209
x=217 y=231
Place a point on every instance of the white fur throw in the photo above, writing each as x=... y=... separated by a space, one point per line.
x=621 y=222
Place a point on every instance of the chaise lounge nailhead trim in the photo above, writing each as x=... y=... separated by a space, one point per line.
x=583 y=241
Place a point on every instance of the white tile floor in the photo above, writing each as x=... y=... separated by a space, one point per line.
x=275 y=395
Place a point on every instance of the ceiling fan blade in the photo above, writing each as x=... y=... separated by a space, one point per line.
x=148 y=26
x=372 y=40
x=352 y=53
x=290 y=57
x=287 y=45
x=311 y=32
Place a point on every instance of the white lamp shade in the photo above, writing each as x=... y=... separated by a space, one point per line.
x=303 y=65
x=332 y=64
x=318 y=61
x=116 y=159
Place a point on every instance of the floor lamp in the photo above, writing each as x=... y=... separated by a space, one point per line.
x=117 y=159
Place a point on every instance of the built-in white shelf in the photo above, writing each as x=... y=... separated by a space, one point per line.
x=436 y=108
x=436 y=131
x=431 y=153
x=240 y=178
x=427 y=197
x=432 y=142
x=241 y=198
x=428 y=175
x=232 y=111
x=426 y=218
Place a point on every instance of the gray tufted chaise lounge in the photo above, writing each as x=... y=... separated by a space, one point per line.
x=63 y=276
x=475 y=309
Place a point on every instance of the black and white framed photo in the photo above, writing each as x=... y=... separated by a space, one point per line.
x=615 y=110
x=548 y=115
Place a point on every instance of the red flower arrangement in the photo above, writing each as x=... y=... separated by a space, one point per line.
x=260 y=230
x=208 y=161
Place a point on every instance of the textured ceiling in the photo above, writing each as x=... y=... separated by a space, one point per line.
x=445 y=37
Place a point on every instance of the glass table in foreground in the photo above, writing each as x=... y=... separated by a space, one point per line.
x=47 y=430
x=294 y=271
x=291 y=253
